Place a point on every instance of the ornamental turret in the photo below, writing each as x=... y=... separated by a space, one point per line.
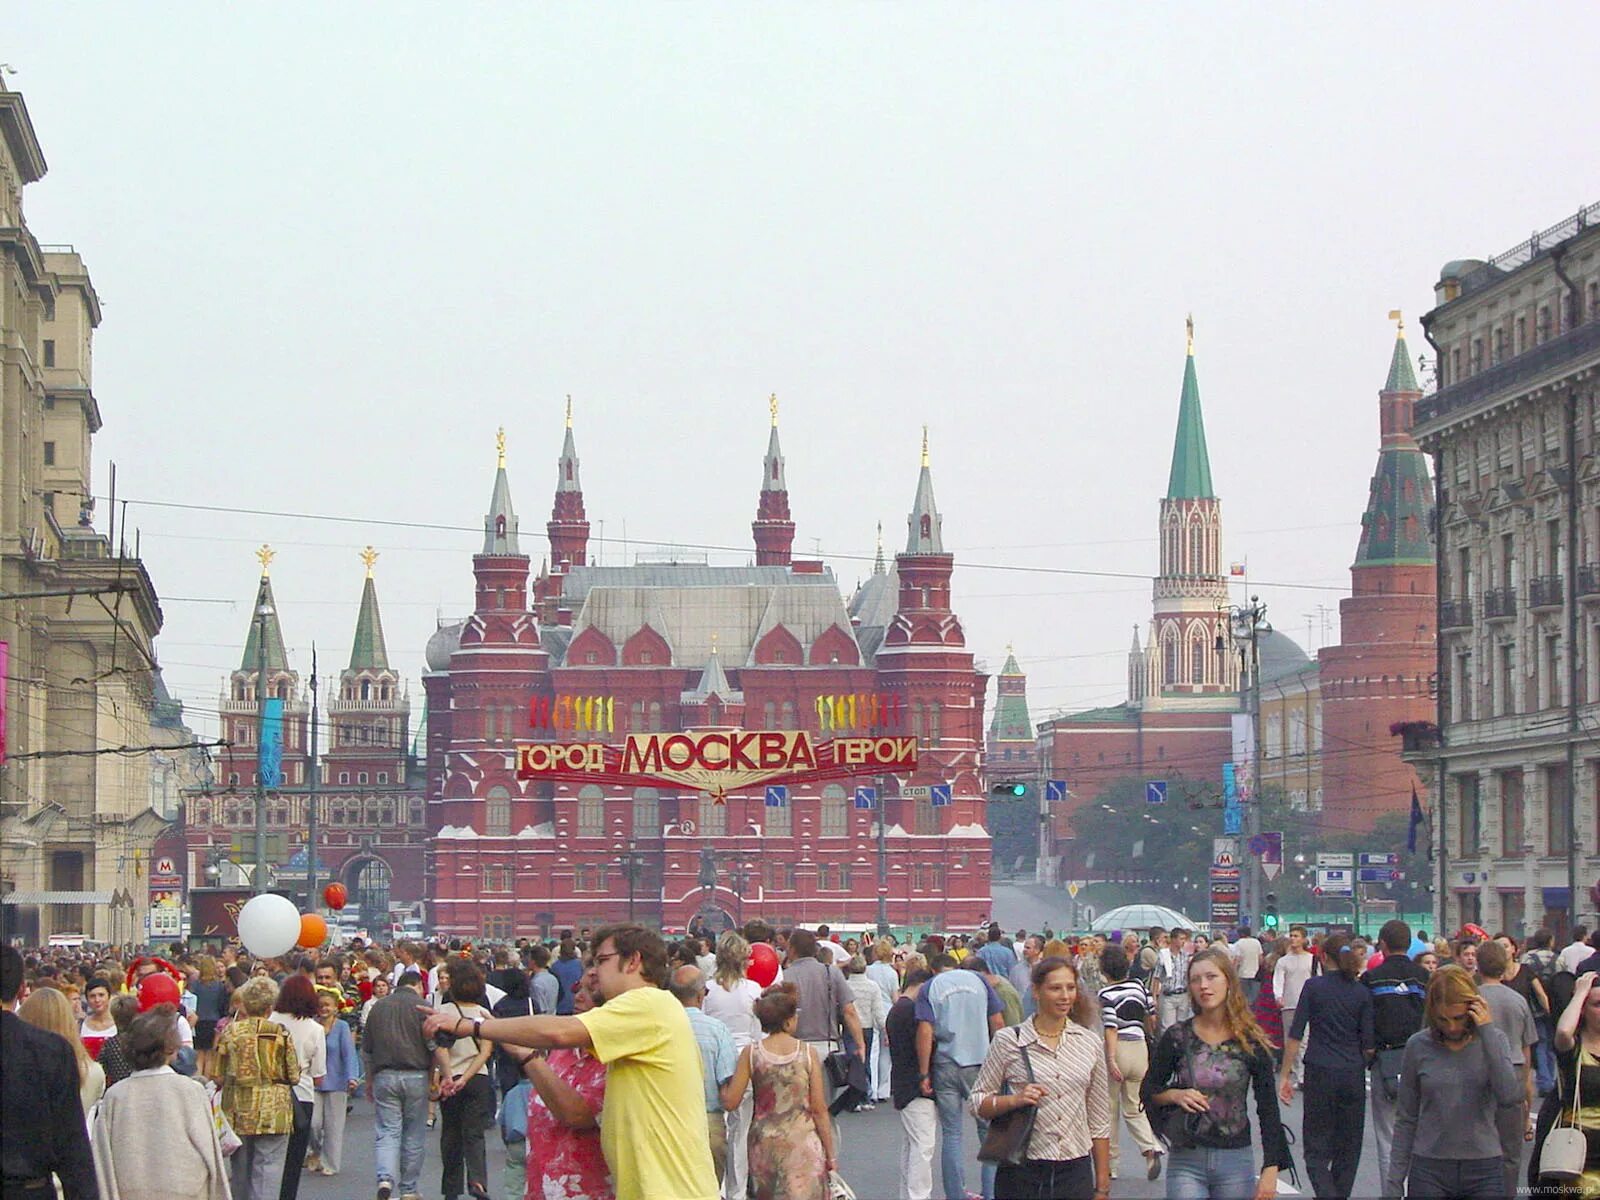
x=773 y=529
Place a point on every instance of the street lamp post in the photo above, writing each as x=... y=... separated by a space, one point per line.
x=1246 y=624
x=263 y=611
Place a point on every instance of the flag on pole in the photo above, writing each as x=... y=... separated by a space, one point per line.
x=1236 y=570
x=1416 y=820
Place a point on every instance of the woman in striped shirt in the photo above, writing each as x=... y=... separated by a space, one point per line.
x=1129 y=1014
x=1068 y=1086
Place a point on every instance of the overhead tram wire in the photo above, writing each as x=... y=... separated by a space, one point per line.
x=440 y=527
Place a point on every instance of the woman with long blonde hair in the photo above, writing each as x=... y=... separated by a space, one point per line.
x=49 y=1009
x=1197 y=1092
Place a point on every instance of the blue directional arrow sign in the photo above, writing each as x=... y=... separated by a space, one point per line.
x=939 y=793
x=866 y=797
x=1155 y=791
x=777 y=796
x=1055 y=789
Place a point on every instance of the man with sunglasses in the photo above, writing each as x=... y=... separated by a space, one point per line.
x=655 y=1131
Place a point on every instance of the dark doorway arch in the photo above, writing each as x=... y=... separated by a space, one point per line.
x=368 y=878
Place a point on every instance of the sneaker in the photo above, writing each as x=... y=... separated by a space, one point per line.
x=326 y=1171
x=1154 y=1171
x=385 y=1189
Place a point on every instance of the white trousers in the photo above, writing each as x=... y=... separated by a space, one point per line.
x=920 y=1120
x=327 y=1128
x=738 y=1170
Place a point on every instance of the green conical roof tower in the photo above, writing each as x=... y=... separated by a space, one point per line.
x=1011 y=721
x=277 y=656
x=1396 y=528
x=1191 y=464
x=368 y=650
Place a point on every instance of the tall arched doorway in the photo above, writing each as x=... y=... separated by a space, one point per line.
x=368 y=880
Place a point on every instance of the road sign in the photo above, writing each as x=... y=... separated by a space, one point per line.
x=1073 y=889
x=866 y=797
x=1224 y=896
x=1155 y=791
x=1055 y=789
x=1224 y=873
x=1224 y=852
x=777 y=796
x=916 y=791
x=1380 y=860
x=1336 y=860
x=1335 y=881
x=165 y=865
x=940 y=794
x=1378 y=874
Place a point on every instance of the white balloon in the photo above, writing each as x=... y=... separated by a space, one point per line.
x=269 y=925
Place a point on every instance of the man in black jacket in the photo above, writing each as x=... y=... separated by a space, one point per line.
x=42 y=1131
x=1398 y=989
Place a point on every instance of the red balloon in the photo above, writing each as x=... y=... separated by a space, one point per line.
x=335 y=896
x=763 y=966
x=157 y=989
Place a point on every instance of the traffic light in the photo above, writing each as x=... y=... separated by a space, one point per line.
x=1010 y=789
x=1269 y=912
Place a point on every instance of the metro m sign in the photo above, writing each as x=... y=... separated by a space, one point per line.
x=716 y=761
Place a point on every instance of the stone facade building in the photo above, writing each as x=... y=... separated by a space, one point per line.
x=603 y=651
x=78 y=616
x=1513 y=429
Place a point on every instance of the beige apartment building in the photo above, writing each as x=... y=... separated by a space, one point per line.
x=78 y=620
x=1513 y=428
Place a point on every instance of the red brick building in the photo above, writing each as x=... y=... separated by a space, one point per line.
x=674 y=645
x=371 y=822
x=1183 y=697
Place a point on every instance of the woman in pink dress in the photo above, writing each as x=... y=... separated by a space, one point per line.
x=791 y=1137
x=569 y=1089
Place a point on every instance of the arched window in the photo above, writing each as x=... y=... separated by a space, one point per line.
x=835 y=811
x=655 y=716
x=1197 y=660
x=788 y=715
x=935 y=723
x=1169 y=658
x=636 y=716
x=497 y=813
x=1197 y=550
x=283 y=690
x=916 y=719
x=366 y=689
x=927 y=526
x=769 y=715
x=591 y=811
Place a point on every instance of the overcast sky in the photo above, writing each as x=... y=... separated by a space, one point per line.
x=338 y=246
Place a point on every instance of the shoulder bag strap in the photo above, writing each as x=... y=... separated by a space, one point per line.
x=1577 y=1077
x=1027 y=1062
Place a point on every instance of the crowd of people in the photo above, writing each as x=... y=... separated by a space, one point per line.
x=612 y=1063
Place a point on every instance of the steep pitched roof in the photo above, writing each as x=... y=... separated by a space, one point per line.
x=368 y=650
x=277 y=656
x=923 y=532
x=1401 y=377
x=1190 y=478
x=1395 y=528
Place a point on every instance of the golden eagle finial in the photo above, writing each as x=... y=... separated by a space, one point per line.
x=1189 y=325
x=1399 y=323
x=369 y=556
x=264 y=556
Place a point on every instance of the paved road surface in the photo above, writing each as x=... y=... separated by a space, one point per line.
x=869 y=1160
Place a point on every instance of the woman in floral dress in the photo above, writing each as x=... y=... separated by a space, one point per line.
x=569 y=1089
x=791 y=1138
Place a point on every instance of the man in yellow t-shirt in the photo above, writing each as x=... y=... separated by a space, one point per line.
x=653 y=1125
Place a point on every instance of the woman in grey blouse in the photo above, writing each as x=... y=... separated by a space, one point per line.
x=1446 y=1142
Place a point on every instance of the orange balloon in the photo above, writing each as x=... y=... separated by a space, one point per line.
x=313 y=931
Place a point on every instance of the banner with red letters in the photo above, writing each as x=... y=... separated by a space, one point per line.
x=717 y=761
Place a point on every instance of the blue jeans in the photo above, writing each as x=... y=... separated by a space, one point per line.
x=401 y=1098
x=1544 y=1055
x=1199 y=1173
x=952 y=1085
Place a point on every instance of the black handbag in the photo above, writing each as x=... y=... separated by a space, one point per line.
x=1009 y=1133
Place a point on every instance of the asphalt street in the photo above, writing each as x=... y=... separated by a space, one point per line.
x=869 y=1161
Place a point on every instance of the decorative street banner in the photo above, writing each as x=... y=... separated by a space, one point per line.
x=580 y=714
x=1232 y=812
x=269 y=760
x=863 y=710
x=715 y=761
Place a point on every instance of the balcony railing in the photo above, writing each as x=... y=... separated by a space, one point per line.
x=1547 y=591
x=1499 y=604
x=1589 y=579
x=1522 y=368
x=1455 y=614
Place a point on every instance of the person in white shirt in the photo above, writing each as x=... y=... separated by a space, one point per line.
x=1574 y=954
x=1247 y=960
x=731 y=998
x=1288 y=977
